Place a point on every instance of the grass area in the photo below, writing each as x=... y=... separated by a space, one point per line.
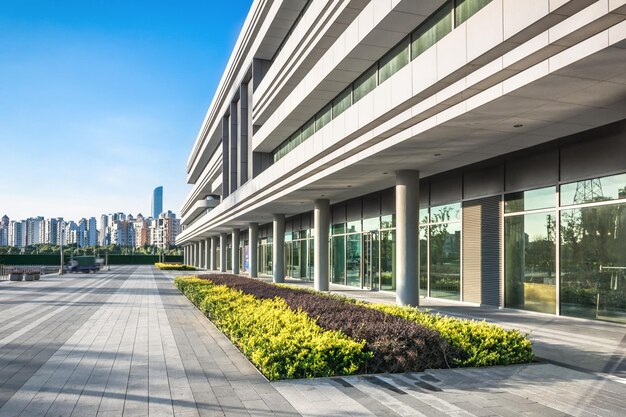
x=284 y=331
x=174 y=267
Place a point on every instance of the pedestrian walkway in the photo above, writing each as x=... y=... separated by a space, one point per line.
x=127 y=343
x=124 y=343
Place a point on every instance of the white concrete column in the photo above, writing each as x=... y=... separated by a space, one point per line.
x=278 y=249
x=407 y=208
x=193 y=254
x=207 y=254
x=223 y=243
x=213 y=257
x=184 y=254
x=321 y=218
x=253 y=237
x=235 y=254
x=199 y=254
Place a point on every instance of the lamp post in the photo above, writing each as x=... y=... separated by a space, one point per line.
x=61 y=268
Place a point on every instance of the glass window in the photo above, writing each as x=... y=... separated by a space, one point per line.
x=594 y=190
x=530 y=200
x=323 y=117
x=371 y=224
x=364 y=84
x=467 y=8
x=423 y=216
x=342 y=102
x=423 y=236
x=354 y=226
x=593 y=262
x=338 y=259
x=388 y=260
x=433 y=29
x=529 y=262
x=388 y=221
x=445 y=213
x=308 y=129
x=393 y=61
x=445 y=260
x=338 y=228
x=353 y=260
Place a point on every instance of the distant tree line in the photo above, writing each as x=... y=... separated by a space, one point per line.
x=49 y=249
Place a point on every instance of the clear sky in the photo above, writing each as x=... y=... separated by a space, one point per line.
x=101 y=101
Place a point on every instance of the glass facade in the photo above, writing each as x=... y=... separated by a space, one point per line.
x=431 y=31
x=440 y=251
x=588 y=225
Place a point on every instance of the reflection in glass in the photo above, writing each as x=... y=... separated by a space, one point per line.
x=370 y=260
x=466 y=9
x=338 y=259
x=393 y=61
x=445 y=260
x=530 y=200
x=423 y=261
x=388 y=260
x=365 y=83
x=445 y=213
x=342 y=102
x=593 y=262
x=353 y=260
x=530 y=258
x=594 y=190
x=433 y=29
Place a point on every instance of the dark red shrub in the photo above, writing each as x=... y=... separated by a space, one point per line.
x=398 y=345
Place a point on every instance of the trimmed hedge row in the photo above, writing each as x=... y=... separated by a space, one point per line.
x=397 y=344
x=174 y=267
x=281 y=342
x=478 y=343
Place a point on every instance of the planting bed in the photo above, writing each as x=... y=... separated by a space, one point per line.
x=174 y=267
x=389 y=339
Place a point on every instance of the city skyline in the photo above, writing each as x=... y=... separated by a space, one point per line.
x=97 y=98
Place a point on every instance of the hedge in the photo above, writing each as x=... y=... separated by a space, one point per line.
x=281 y=342
x=174 y=267
x=478 y=343
x=397 y=344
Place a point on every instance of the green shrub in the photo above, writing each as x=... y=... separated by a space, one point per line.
x=281 y=342
x=477 y=343
x=174 y=267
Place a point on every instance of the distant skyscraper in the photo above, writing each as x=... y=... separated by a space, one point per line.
x=4 y=230
x=157 y=202
x=92 y=232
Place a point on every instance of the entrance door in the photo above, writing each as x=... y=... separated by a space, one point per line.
x=369 y=273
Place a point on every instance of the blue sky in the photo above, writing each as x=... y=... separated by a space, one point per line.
x=101 y=101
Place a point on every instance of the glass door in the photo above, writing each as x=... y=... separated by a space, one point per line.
x=370 y=274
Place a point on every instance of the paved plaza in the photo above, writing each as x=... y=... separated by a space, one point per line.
x=127 y=343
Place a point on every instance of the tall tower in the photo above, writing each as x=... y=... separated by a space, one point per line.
x=157 y=202
x=588 y=191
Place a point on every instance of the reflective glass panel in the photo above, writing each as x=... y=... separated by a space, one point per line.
x=342 y=102
x=530 y=200
x=593 y=262
x=388 y=260
x=467 y=8
x=308 y=129
x=593 y=190
x=423 y=216
x=423 y=260
x=393 y=61
x=445 y=213
x=353 y=260
x=387 y=222
x=445 y=260
x=371 y=224
x=338 y=228
x=338 y=259
x=364 y=84
x=435 y=28
x=530 y=262
x=323 y=117
x=354 y=226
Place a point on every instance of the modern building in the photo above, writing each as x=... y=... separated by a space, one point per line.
x=471 y=150
x=92 y=232
x=15 y=234
x=157 y=202
x=4 y=230
x=164 y=230
x=122 y=233
x=104 y=235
